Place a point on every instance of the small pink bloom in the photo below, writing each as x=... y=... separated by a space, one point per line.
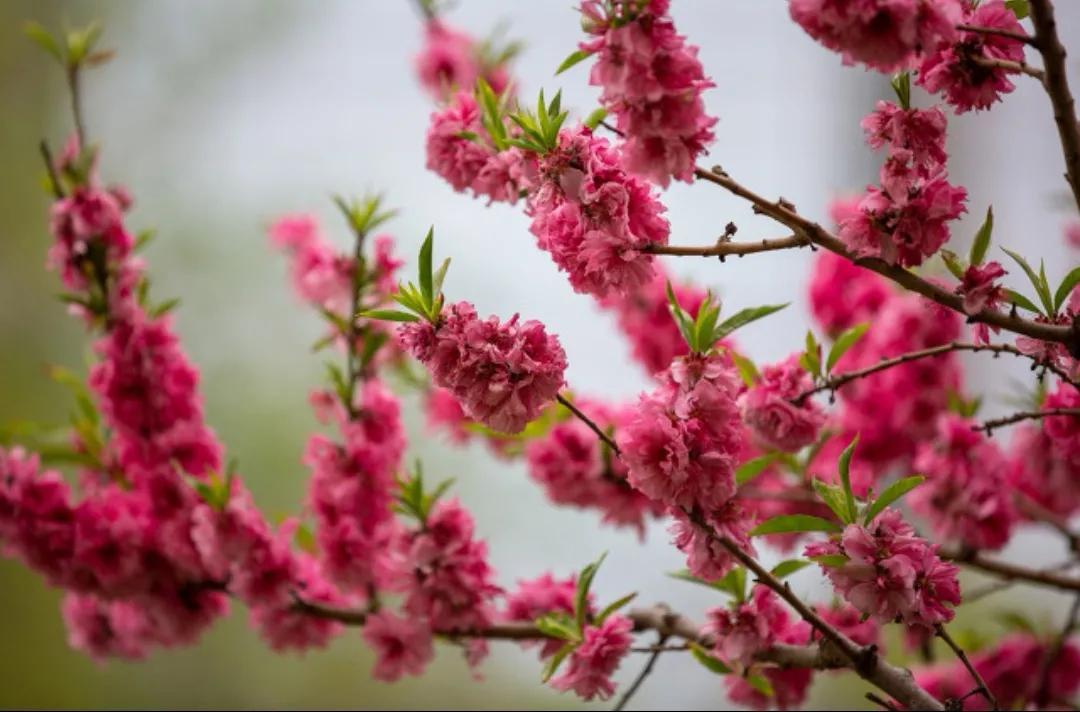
x=768 y=410
x=402 y=645
x=589 y=668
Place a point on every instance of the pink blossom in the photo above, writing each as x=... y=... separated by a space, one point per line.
x=920 y=131
x=285 y=628
x=1072 y=234
x=589 y=668
x=593 y=218
x=886 y=35
x=789 y=686
x=652 y=83
x=847 y=620
x=450 y=153
x=1064 y=430
x=843 y=294
x=680 y=446
x=966 y=495
x=89 y=217
x=451 y=60
x=706 y=557
x=768 y=410
x=503 y=374
x=747 y=629
x=105 y=629
x=320 y=274
x=576 y=469
x=980 y=288
x=402 y=645
x=890 y=573
x=955 y=70
x=1042 y=470
x=536 y=597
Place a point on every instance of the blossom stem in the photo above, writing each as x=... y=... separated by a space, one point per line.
x=1012 y=572
x=836 y=381
x=50 y=168
x=724 y=248
x=645 y=672
x=75 y=92
x=1057 y=87
x=604 y=437
x=784 y=212
x=940 y=631
x=990 y=425
x=1018 y=36
x=1010 y=66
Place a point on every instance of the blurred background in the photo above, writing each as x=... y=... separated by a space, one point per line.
x=221 y=116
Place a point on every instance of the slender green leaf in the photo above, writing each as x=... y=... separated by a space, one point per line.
x=811 y=358
x=614 y=606
x=1020 y=8
x=388 y=315
x=788 y=567
x=680 y=316
x=440 y=277
x=981 y=243
x=1043 y=292
x=164 y=308
x=830 y=560
x=595 y=118
x=708 y=660
x=952 y=261
x=1021 y=301
x=747 y=370
x=792 y=523
x=426 y=278
x=1066 y=287
x=833 y=497
x=901 y=84
x=44 y=39
x=556 y=660
x=754 y=467
x=744 y=317
x=573 y=58
x=557 y=626
x=761 y=684
x=581 y=600
x=892 y=493
x=845 y=479
x=843 y=343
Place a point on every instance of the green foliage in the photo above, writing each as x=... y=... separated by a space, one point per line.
x=892 y=493
x=754 y=467
x=73 y=49
x=843 y=343
x=810 y=359
x=412 y=499
x=702 y=331
x=1038 y=281
x=981 y=243
x=901 y=84
x=572 y=59
x=425 y=301
x=793 y=523
x=364 y=214
x=540 y=130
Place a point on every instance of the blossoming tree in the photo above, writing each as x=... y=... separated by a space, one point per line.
x=152 y=536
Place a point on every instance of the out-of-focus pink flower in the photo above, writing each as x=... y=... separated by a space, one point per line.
x=768 y=410
x=402 y=645
x=589 y=668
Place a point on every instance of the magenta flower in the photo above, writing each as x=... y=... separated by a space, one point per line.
x=402 y=645
x=589 y=668
x=768 y=410
x=980 y=287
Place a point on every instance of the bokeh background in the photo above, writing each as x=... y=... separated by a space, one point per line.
x=221 y=116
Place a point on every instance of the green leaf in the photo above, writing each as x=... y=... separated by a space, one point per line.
x=734 y=582
x=556 y=660
x=614 y=606
x=143 y=239
x=843 y=343
x=1021 y=301
x=1066 y=287
x=892 y=493
x=581 y=599
x=788 y=567
x=682 y=319
x=744 y=317
x=830 y=560
x=164 y=308
x=705 y=324
x=388 y=315
x=426 y=278
x=981 y=242
x=573 y=58
x=761 y=684
x=1016 y=621
x=1020 y=8
x=754 y=467
x=747 y=370
x=558 y=626
x=305 y=540
x=595 y=117
x=1040 y=289
x=833 y=497
x=845 y=479
x=708 y=660
x=901 y=84
x=811 y=358
x=953 y=263
x=793 y=523
x=44 y=39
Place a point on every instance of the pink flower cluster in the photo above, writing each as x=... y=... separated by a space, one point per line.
x=594 y=218
x=402 y=645
x=503 y=374
x=450 y=60
x=886 y=35
x=981 y=290
x=458 y=150
x=645 y=319
x=772 y=416
x=706 y=557
x=843 y=616
x=652 y=83
x=958 y=70
x=904 y=221
x=1045 y=469
x=750 y=628
x=890 y=574
x=536 y=597
x=91 y=219
x=966 y=496
x=589 y=668
x=1011 y=669
x=571 y=464
x=352 y=488
x=842 y=294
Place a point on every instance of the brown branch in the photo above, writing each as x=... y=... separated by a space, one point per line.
x=724 y=248
x=1009 y=66
x=990 y=425
x=785 y=213
x=645 y=672
x=836 y=381
x=883 y=704
x=1019 y=36
x=1057 y=86
x=604 y=437
x=940 y=631
x=1011 y=572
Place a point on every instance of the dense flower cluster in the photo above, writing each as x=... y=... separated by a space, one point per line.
x=769 y=410
x=594 y=218
x=576 y=469
x=886 y=35
x=889 y=573
x=503 y=374
x=589 y=668
x=652 y=83
x=966 y=496
x=451 y=60
x=904 y=220
x=959 y=70
x=1012 y=670
x=1042 y=469
x=402 y=644
x=706 y=557
x=535 y=597
x=842 y=294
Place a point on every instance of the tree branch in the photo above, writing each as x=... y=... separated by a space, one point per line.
x=724 y=248
x=1011 y=572
x=940 y=631
x=1010 y=66
x=645 y=672
x=604 y=437
x=1057 y=86
x=990 y=425
x=1019 y=36
x=785 y=213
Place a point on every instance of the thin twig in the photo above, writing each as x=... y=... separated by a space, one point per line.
x=1019 y=36
x=604 y=437
x=991 y=425
x=784 y=213
x=645 y=671
x=724 y=248
x=940 y=631
x=1011 y=572
x=1057 y=87
x=1010 y=66
x=50 y=167
x=76 y=105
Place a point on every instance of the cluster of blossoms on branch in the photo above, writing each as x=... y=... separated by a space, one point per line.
x=159 y=535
